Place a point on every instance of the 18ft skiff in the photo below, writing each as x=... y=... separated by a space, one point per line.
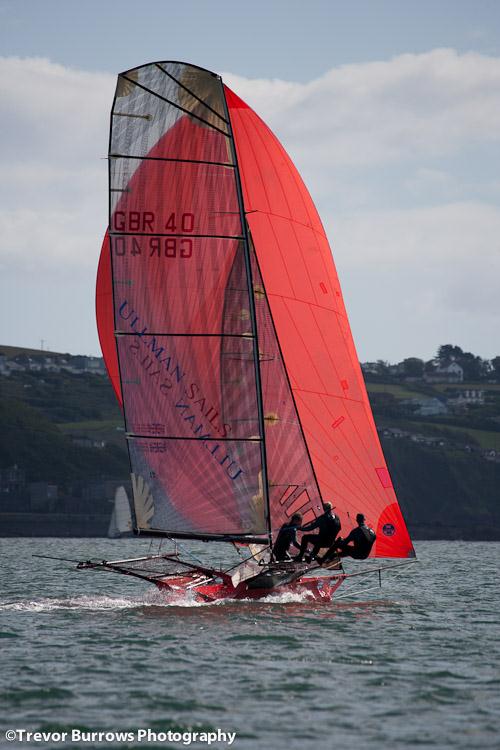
x=226 y=339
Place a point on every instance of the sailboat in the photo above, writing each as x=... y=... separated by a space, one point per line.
x=225 y=337
x=120 y=523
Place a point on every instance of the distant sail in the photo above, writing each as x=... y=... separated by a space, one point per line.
x=121 y=517
x=243 y=397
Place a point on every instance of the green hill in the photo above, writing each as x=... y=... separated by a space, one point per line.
x=62 y=428
x=30 y=440
x=45 y=416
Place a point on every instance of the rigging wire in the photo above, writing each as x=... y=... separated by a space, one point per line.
x=187 y=552
x=361 y=589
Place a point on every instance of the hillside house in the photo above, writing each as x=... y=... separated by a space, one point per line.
x=426 y=407
x=81 y=363
x=466 y=398
x=452 y=373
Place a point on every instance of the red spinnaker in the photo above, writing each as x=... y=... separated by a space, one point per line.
x=311 y=322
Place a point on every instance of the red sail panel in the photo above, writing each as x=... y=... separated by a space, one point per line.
x=290 y=478
x=170 y=295
x=292 y=484
x=311 y=324
x=104 y=317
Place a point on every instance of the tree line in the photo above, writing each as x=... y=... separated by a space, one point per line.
x=474 y=367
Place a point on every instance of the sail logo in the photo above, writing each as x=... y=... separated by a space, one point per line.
x=153 y=247
x=144 y=243
x=149 y=222
x=388 y=529
x=165 y=372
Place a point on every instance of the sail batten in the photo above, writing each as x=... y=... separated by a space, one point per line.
x=173 y=104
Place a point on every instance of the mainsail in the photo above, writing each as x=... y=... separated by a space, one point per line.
x=223 y=328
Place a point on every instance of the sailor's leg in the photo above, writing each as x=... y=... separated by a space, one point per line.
x=319 y=543
x=329 y=554
x=306 y=539
x=279 y=553
x=348 y=551
x=358 y=554
x=332 y=552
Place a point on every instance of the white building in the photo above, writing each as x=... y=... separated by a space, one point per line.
x=453 y=373
x=427 y=407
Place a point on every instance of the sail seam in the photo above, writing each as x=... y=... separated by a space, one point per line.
x=292 y=170
x=323 y=393
x=290 y=219
x=177 y=106
x=307 y=302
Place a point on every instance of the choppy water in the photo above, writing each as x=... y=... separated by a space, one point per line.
x=414 y=664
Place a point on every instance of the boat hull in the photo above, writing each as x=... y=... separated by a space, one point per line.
x=319 y=588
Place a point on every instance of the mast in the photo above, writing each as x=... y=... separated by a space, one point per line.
x=253 y=318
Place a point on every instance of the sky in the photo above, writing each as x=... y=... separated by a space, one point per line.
x=390 y=110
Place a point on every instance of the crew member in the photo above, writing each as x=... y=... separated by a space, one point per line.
x=328 y=525
x=287 y=536
x=357 y=545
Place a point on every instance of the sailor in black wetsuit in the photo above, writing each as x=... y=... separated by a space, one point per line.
x=328 y=525
x=287 y=535
x=357 y=545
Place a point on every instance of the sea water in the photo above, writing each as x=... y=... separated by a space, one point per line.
x=415 y=663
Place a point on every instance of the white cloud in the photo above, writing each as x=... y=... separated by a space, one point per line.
x=451 y=234
x=53 y=175
x=52 y=114
x=436 y=264
x=419 y=278
x=362 y=114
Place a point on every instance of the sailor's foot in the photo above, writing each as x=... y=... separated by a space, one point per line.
x=297 y=558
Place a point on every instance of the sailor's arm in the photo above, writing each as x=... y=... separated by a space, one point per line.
x=350 y=538
x=311 y=525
